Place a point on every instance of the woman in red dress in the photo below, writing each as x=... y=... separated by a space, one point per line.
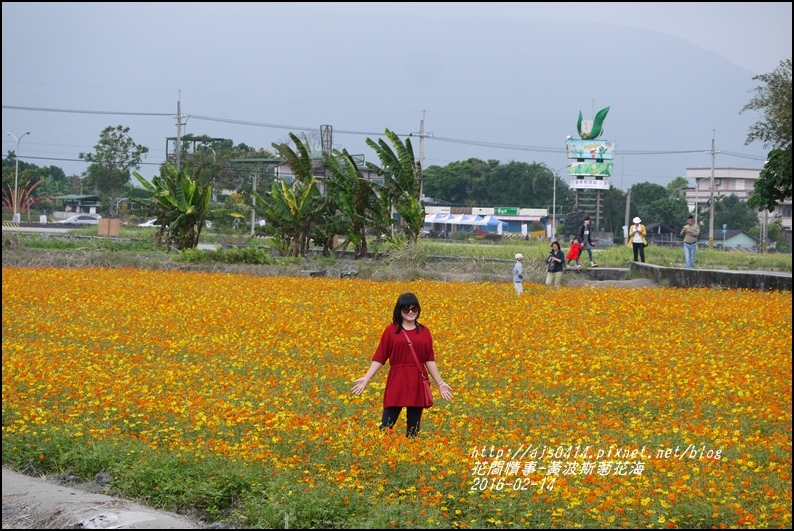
x=404 y=386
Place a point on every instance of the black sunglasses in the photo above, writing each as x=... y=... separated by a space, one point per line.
x=409 y=309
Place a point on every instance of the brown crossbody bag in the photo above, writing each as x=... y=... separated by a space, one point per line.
x=423 y=375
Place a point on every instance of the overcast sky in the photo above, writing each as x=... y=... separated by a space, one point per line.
x=503 y=81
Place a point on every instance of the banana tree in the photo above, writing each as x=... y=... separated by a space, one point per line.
x=292 y=210
x=353 y=200
x=402 y=181
x=180 y=203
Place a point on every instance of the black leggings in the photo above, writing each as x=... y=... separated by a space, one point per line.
x=639 y=248
x=391 y=414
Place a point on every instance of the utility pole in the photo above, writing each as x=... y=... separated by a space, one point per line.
x=711 y=199
x=178 y=135
x=421 y=152
x=697 y=197
x=253 y=201
x=422 y=136
x=764 y=234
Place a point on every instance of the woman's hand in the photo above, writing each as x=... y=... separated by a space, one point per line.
x=359 y=386
x=446 y=390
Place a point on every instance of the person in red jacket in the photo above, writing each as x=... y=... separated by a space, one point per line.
x=574 y=252
x=404 y=386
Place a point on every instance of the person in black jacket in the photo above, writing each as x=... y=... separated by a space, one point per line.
x=585 y=236
x=556 y=261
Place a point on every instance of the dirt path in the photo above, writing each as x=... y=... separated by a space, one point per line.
x=36 y=503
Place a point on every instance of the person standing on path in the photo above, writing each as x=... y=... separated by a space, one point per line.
x=637 y=239
x=556 y=261
x=690 y=232
x=518 y=274
x=404 y=385
x=585 y=236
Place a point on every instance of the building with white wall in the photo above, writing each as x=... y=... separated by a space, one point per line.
x=737 y=181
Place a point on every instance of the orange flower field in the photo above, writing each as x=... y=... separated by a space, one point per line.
x=576 y=407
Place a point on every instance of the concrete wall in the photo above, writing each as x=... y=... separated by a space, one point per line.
x=707 y=278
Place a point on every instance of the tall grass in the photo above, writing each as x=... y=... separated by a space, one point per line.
x=426 y=253
x=618 y=255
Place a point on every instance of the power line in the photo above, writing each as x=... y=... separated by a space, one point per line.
x=480 y=143
x=741 y=155
x=22 y=157
x=74 y=111
x=278 y=126
x=498 y=145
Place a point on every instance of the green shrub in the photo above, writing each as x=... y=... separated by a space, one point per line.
x=234 y=255
x=461 y=235
x=84 y=243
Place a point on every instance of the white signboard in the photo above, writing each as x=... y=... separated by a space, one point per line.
x=589 y=184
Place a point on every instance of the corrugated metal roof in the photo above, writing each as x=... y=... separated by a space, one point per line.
x=73 y=197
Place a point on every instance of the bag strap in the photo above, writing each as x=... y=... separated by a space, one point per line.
x=418 y=365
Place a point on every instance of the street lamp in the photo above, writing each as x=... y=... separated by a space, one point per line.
x=697 y=196
x=711 y=201
x=16 y=175
x=118 y=203
x=210 y=148
x=212 y=181
x=554 y=202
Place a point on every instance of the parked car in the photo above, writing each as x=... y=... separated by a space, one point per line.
x=150 y=223
x=82 y=219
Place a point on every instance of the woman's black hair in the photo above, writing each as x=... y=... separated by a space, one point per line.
x=558 y=245
x=406 y=299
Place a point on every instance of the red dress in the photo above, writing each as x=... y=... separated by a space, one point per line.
x=574 y=252
x=404 y=385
